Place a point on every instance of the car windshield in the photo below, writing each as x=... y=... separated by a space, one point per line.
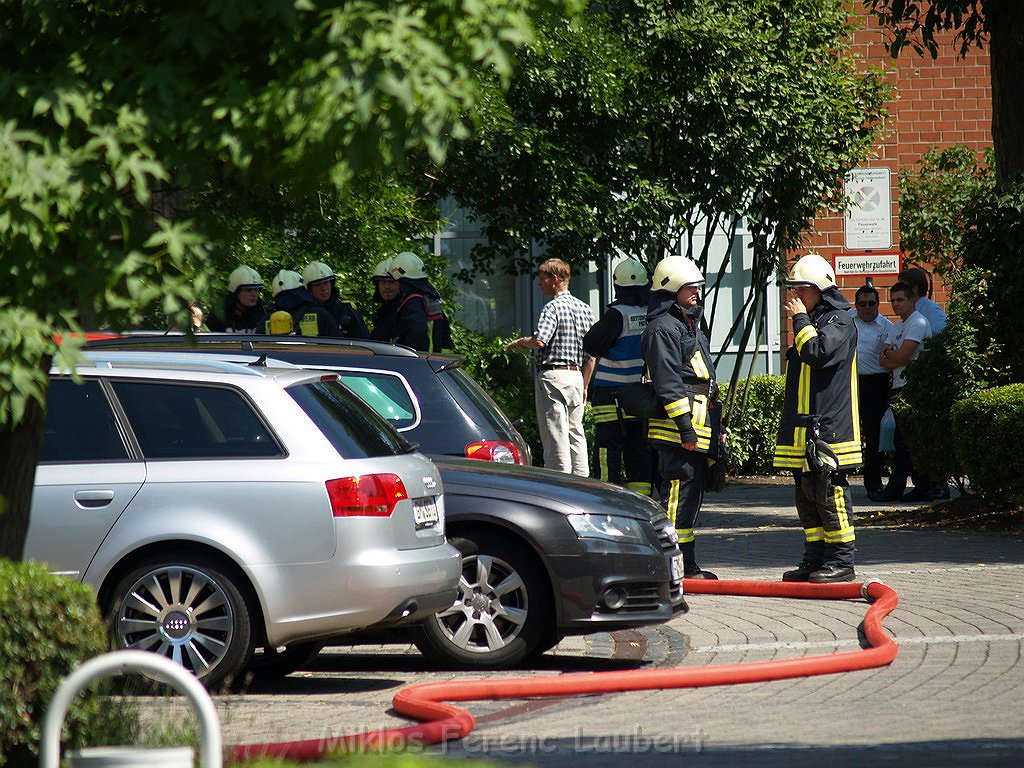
x=474 y=399
x=355 y=431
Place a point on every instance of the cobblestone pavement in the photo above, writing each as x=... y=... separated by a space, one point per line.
x=954 y=695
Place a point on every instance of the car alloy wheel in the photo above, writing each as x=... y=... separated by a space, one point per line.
x=498 y=618
x=187 y=610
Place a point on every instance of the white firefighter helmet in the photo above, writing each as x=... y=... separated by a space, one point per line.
x=316 y=271
x=407 y=264
x=244 y=277
x=674 y=272
x=630 y=272
x=382 y=270
x=285 y=280
x=814 y=270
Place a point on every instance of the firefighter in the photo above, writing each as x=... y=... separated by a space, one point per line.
x=819 y=434
x=614 y=341
x=243 y=312
x=321 y=282
x=678 y=360
x=421 y=322
x=291 y=296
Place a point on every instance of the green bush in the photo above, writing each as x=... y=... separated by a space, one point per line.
x=988 y=436
x=752 y=413
x=50 y=625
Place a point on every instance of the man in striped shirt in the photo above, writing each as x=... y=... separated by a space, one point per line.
x=561 y=367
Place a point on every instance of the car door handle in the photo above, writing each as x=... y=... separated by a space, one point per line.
x=92 y=499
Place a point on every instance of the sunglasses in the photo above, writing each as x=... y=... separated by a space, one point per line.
x=867 y=303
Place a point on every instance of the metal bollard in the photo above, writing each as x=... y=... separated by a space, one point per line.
x=121 y=663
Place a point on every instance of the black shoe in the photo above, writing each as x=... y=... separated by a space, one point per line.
x=940 y=493
x=697 y=573
x=887 y=494
x=802 y=572
x=828 y=574
x=873 y=489
x=918 y=494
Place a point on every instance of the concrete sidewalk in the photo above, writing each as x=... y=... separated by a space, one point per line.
x=954 y=696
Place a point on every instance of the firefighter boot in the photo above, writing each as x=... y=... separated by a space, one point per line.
x=838 y=565
x=814 y=556
x=690 y=568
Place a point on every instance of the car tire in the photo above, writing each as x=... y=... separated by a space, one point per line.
x=188 y=609
x=274 y=663
x=500 y=615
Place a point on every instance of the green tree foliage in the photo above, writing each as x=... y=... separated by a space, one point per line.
x=997 y=24
x=644 y=122
x=934 y=202
x=110 y=112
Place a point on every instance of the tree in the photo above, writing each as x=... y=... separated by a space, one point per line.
x=645 y=125
x=1000 y=24
x=110 y=112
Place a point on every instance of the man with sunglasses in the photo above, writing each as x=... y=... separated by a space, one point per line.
x=873 y=331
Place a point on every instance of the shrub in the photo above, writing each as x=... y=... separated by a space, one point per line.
x=50 y=626
x=753 y=412
x=988 y=431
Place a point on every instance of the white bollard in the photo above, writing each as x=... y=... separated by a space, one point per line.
x=121 y=663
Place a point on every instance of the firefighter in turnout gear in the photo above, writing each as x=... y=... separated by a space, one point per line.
x=678 y=359
x=291 y=296
x=614 y=341
x=819 y=435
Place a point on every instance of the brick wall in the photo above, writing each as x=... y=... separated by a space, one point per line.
x=937 y=102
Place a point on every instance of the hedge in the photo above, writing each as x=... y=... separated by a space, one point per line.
x=988 y=437
x=50 y=625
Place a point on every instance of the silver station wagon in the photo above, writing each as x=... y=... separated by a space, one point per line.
x=222 y=511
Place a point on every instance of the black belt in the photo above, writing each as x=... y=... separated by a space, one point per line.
x=558 y=367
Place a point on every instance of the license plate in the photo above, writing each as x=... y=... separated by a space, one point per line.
x=676 y=564
x=425 y=513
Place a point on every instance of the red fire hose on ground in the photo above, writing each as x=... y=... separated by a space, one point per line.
x=445 y=722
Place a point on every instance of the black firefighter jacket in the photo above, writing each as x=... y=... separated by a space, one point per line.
x=678 y=362
x=821 y=382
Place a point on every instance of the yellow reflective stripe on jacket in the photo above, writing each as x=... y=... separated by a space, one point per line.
x=803 y=335
x=678 y=407
x=700 y=367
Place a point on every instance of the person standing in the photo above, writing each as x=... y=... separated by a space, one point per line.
x=906 y=340
x=291 y=297
x=243 y=312
x=321 y=282
x=873 y=380
x=559 y=376
x=677 y=355
x=819 y=433
x=614 y=342
x=920 y=284
x=421 y=320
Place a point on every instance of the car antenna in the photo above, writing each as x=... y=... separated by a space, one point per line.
x=247 y=346
x=261 y=363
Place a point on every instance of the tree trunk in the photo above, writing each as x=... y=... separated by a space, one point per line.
x=19 y=452
x=1006 y=52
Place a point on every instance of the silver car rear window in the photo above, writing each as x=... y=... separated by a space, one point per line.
x=353 y=428
x=189 y=421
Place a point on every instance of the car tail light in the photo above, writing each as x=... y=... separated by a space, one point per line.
x=494 y=450
x=365 y=495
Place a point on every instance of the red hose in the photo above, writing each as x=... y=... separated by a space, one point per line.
x=446 y=722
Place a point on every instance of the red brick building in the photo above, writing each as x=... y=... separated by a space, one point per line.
x=937 y=102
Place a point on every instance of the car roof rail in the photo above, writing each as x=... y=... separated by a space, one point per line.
x=179 y=361
x=249 y=342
